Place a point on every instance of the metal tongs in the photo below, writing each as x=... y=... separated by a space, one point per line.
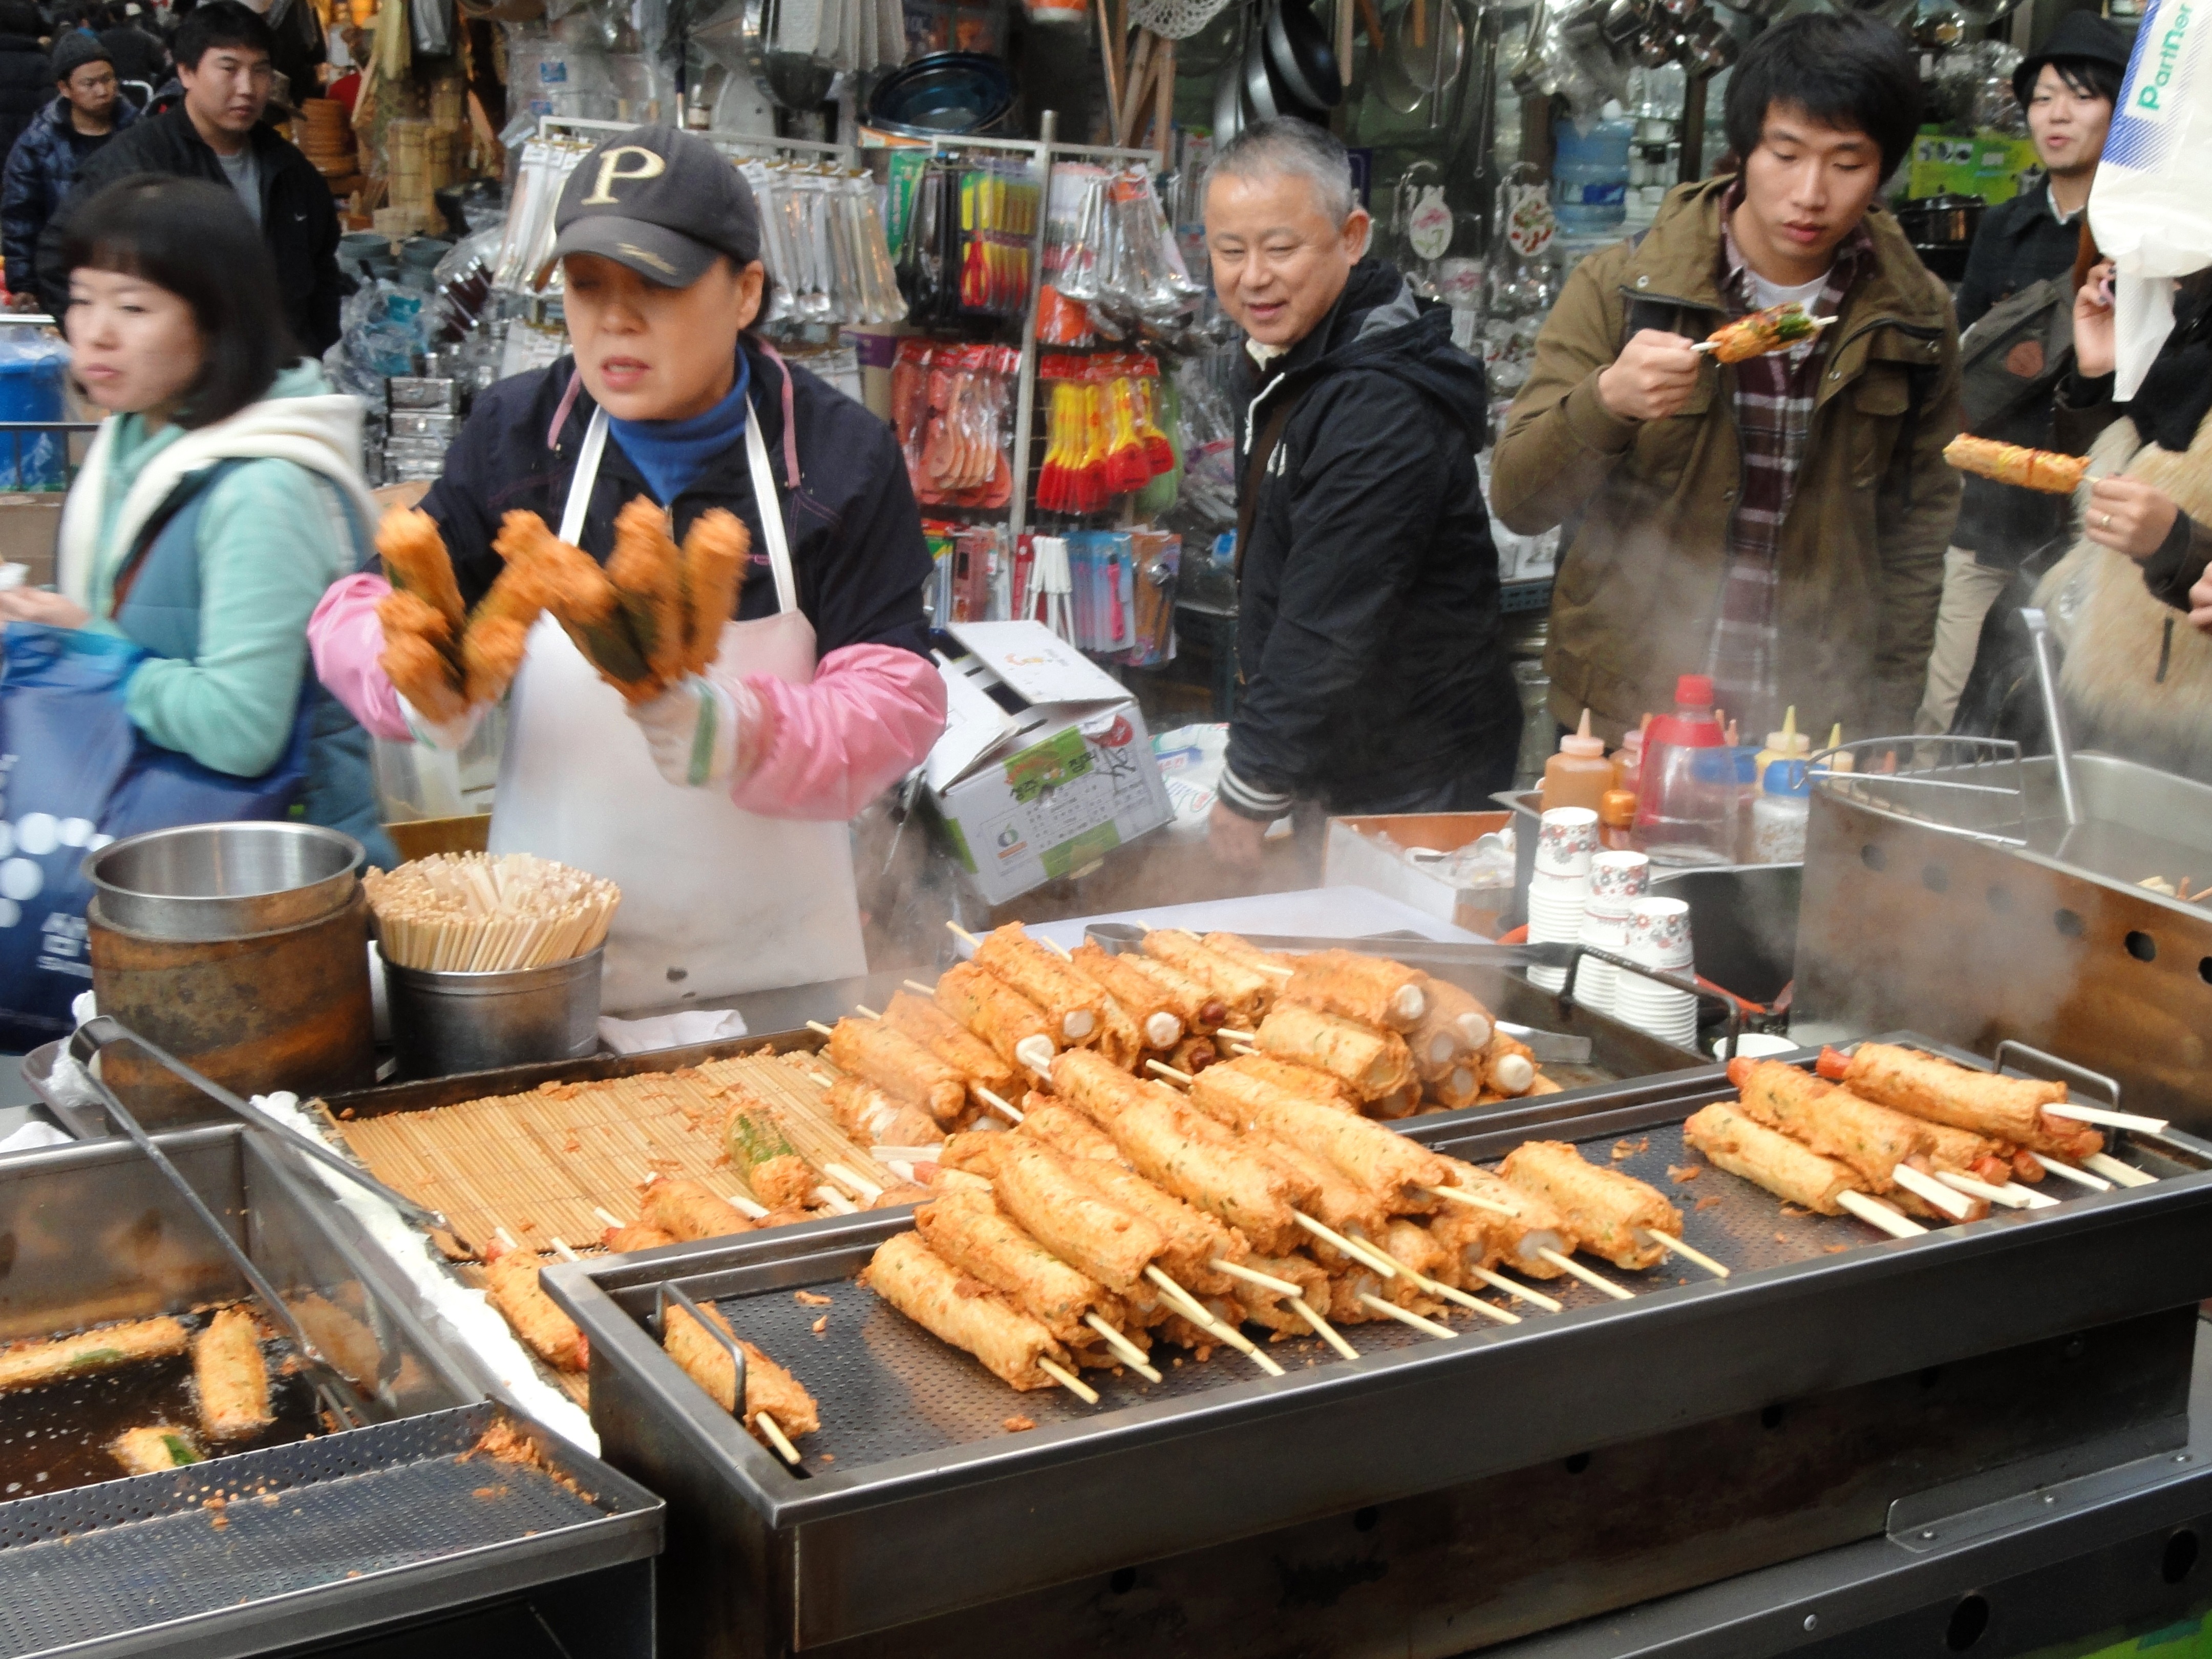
x=339 y=1396
x=100 y=1032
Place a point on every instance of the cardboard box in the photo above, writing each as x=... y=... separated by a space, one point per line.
x=1048 y=789
x=1355 y=855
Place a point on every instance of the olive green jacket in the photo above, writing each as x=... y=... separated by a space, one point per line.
x=1646 y=505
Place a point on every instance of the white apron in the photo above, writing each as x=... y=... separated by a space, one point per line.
x=714 y=901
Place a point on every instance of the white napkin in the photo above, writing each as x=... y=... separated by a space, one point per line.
x=636 y=1037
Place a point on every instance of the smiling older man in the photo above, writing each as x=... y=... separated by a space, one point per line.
x=1367 y=622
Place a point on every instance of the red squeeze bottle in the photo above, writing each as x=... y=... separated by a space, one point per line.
x=1686 y=807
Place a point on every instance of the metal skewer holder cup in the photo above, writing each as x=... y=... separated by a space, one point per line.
x=443 y=1023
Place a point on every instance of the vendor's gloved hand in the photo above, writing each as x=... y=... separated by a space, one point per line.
x=693 y=729
x=451 y=736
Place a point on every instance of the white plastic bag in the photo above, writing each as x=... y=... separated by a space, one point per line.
x=2148 y=209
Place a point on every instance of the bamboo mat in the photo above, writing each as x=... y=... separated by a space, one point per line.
x=537 y=1163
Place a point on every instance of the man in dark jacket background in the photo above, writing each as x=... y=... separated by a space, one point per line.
x=217 y=133
x=88 y=110
x=139 y=53
x=24 y=85
x=1367 y=613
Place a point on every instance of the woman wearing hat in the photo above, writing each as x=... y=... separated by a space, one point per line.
x=720 y=807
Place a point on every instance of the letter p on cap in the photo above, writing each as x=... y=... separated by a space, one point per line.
x=650 y=166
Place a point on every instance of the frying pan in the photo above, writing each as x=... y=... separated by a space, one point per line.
x=1299 y=53
x=1261 y=102
x=1229 y=114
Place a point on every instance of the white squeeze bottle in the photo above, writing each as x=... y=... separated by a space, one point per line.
x=1779 y=815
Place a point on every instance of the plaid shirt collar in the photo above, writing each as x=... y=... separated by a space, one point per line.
x=1854 y=254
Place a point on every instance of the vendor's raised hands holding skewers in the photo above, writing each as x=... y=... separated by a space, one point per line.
x=729 y=544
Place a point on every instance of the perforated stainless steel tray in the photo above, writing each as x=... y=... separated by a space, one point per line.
x=930 y=1504
x=337 y=1533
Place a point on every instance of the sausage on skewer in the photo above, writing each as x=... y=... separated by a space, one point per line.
x=910 y=1276
x=1197 y=1004
x=685 y=1210
x=1367 y=989
x=770 y=1390
x=1070 y=1001
x=1766 y=1157
x=1014 y=1026
x=1146 y=999
x=1835 y=1123
x=953 y=1043
x=1530 y=1227
x=1610 y=1211
x=1246 y=993
x=1453 y=1026
x=1317 y=1087
x=511 y=1286
x=1237 y=948
x=1927 y=1086
x=1509 y=1066
x=1371 y=1063
x=874 y=1119
x=1397 y=1172
x=897 y=1064
x=969 y=1230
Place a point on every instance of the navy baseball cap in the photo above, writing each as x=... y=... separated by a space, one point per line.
x=663 y=201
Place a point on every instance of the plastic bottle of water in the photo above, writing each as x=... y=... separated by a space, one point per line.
x=1685 y=808
x=1589 y=175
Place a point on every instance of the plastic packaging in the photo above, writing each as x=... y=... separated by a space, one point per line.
x=1589 y=175
x=1686 y=808
x=1616 y=821
x=1628 y=762
x=1778 y=816
x=1579 y=775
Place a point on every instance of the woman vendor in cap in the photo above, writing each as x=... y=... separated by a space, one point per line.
x=721 y=806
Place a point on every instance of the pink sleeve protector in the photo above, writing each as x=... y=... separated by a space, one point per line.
x=346 y=639
x=826 y=749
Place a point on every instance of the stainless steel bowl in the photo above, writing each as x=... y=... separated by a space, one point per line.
x=218 y=881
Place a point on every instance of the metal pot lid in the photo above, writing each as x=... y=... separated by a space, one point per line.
x=947 y=92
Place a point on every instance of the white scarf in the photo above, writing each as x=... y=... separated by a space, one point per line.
x=320 y=432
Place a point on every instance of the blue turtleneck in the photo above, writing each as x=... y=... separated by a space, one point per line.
x=673 y=453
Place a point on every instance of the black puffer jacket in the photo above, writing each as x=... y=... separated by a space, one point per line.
x=1367 y=624
x=298 y=220
x=24 y=87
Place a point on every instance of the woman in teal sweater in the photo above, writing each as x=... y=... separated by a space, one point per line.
x=220 y=499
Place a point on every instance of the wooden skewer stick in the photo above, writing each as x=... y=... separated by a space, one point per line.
x=908 y=1154
x=1521 y=1292
x=866 y=1191
x=561 y=1249
x=749 y=1206
x=1160 y=1067
x=607 y=1216
x=2148 y=1126
x=1012 y=1114
x=1322 y=1328
x=1274 y=968
x=1250 y=1276
x=506 y=1238
x=816 y=1025
x=1875 y=1213
x=1235 y=1036
x=1952 y=1204
x=1056 y=948
x=865 y=1011
x=777 y=1438
x=963 y=936
x=1241 y=1050
x=1674 y=1246
x=1124 y=1350
x=1461 y=1195
x=919 y=988
x=835 y=1201
x=1596 y=1281
x=2029 y=1197
x=1195 y=1311
x=1068 y=1380
x=2112 y=1169
x=1981 y=1189
x=1500 y=1316
x=1352 y=1247
x=1392 y=1310
x=2067 y=1171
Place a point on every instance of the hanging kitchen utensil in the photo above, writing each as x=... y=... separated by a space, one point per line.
x=1405 y=73
x=1260 y=94
x=1228 y=91
x=946 y=92
x=1299 y=53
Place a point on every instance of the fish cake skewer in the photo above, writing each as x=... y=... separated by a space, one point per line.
x=1369 y=990
x=770 y=1390
x=231 y=1375
x=1013 y=1347
x=685 y=1210
x=33 y=1364
x=511 y=1286
x=1610 y=1211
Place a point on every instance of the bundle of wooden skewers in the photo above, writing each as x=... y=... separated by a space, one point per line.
x=472 y=912
x=652 y=616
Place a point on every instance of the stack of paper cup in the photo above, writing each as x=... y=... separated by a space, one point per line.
x=1617 y=880
x=1566 y=841
x=1658 y=936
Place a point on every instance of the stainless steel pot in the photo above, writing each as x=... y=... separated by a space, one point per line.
x=223 y=881
x=1940 y=221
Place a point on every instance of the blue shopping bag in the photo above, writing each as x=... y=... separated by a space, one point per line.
x=75 y=775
